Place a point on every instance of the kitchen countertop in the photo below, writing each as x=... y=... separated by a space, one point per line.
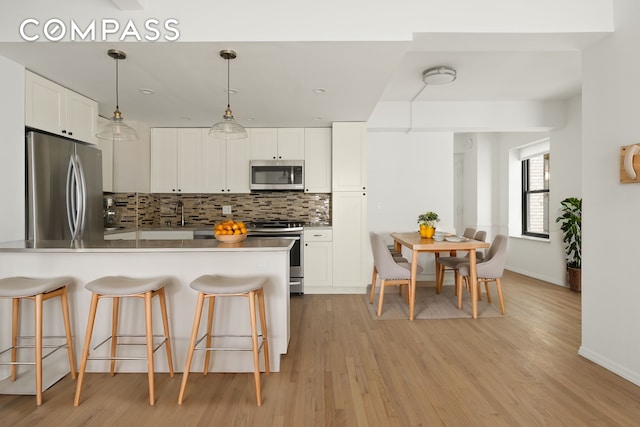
x=142 y=245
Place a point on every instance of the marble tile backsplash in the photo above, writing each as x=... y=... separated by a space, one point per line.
x=161 y=210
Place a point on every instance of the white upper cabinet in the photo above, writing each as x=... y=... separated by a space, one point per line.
x=176 y=160
x=56 y=109
x=349 y=156
x=290 y=144
x=106 y=146
x=317 y=160
x=277 y=143
x=226 y=164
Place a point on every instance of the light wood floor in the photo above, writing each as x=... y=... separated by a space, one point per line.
x=346 y=369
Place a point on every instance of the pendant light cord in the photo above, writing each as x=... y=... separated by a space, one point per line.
x=228 y=94
x=117 y=99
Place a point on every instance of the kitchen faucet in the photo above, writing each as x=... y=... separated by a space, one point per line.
x=181 y=207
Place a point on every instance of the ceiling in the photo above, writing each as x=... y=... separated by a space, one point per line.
x=276 y=82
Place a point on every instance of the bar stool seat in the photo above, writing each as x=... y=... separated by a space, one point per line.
x=117 y=287
x=212 y=286
x=37 y=290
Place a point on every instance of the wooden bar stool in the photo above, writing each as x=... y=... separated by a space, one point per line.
x=117 y=287
x=210 y=287
x=37 y=290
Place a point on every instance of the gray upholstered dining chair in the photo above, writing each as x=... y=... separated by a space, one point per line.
x=489 y=270
x=390 y=271
x=450 y=263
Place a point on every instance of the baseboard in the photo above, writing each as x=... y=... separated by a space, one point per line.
x=633 y=377
x=542 y=277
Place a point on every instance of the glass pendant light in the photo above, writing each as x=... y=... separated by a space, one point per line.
x=116 y=129
x=228 y=128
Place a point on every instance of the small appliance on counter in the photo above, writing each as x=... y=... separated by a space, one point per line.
x=109 y=213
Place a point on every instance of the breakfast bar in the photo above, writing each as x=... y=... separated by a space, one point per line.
x=181 y=260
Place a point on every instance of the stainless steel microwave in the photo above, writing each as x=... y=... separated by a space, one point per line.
x=277 y=175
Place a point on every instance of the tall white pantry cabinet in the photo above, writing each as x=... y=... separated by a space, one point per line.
x=351 y=249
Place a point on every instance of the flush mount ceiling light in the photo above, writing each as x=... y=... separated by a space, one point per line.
x=440 y=75
x=228 y=128
x=116 y=129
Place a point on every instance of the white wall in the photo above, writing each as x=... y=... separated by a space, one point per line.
x=610 y=282
x=12 y=160
x=536 y=257
x=408 y=174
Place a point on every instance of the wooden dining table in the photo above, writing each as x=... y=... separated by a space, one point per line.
x=417 y=244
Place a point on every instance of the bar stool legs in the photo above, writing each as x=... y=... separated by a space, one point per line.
x=38 y=290
x=116 y=288
x=208 y=289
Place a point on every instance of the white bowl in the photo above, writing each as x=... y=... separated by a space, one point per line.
x=438 y=237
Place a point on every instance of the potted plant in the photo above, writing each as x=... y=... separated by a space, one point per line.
x=427 y=223
x=571 y=225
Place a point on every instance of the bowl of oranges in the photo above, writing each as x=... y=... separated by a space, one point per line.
x=230 y=231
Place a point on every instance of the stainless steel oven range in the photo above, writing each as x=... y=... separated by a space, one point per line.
x=283 y=229
x=277 y=229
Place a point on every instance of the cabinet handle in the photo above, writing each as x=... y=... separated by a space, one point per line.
x=70 y=133
x=306 y=244
x=64 y=131
x=274 y=157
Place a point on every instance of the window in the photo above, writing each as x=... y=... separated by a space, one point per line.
x=535 y=196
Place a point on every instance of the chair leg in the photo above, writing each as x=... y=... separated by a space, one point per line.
x=499 y=288
x=374 y=279
x=263 y=328
x=149 y=333
x=165 y=323
x=15 y=325
x=254 y=344
x=67 y=328
x=381 y=297
x=207 y=353
x=114 y=333
x=192 y=345
x=85 y=349
x=486 y=288
x=455 y=280
x=38 y=344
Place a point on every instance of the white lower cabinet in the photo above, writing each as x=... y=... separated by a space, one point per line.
x=318 y=260
x=352 y=258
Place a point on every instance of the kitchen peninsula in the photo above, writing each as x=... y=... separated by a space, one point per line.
x=183 y=261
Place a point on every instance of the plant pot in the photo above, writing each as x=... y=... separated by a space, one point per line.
x=574 y=276
x=427 y=232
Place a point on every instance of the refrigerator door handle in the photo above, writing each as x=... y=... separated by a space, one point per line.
x=82 y=195
x=72 y=198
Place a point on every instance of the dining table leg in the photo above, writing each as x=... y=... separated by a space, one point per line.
x=473 y=279
x=412 y=287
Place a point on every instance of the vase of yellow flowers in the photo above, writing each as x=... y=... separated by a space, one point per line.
x=427 y=223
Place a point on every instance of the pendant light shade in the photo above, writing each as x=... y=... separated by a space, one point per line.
x=116 y=129
x=228 y=128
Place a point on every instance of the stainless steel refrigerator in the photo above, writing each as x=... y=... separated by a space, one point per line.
x=64 y=189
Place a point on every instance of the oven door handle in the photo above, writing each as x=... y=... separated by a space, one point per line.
x=275 y=237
